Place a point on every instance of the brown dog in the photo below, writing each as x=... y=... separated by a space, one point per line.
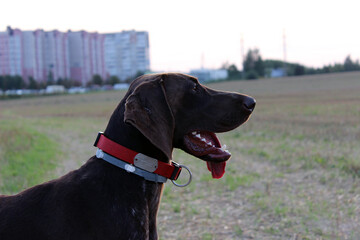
x=101 y=200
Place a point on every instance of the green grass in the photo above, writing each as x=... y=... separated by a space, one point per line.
x=27 y=157
x=238 y=231
x=207 y=236
x=233 y=181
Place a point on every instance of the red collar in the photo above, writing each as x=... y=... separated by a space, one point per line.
x=170 y=171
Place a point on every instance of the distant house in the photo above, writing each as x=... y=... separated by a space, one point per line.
x=207 y=75
x=53 y=89
x=277 y=72
x=75 y=90
x=121 y=86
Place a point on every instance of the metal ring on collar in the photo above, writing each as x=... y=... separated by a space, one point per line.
x=188 y=182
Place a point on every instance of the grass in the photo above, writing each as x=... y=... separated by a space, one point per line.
x=234 y=181
x=238 y=231
x=207 y=236
x=294 y=171
x=27 y=157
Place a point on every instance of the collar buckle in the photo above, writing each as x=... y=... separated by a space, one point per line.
x=177 y=170
x=98 y=138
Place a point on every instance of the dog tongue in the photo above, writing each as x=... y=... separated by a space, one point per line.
x=217 y=169
x=206 y=146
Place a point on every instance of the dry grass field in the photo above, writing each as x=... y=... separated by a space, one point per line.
x=294 y=174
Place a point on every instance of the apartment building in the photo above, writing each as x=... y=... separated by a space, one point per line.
x=56 y=56
x=32 y=55
x=52 y=55
x=86 y=54
x=126 y=53
x=11 y=52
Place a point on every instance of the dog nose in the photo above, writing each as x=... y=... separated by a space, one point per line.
x=249 y=103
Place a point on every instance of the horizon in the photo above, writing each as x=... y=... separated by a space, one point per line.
x=191 y=34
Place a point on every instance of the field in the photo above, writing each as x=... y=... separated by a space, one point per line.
x=294 y=174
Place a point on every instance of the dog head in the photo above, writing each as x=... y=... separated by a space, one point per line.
x=175 y=110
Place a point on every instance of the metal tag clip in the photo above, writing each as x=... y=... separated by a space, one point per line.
x=188 y=182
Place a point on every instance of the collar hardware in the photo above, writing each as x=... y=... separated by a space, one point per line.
x=130 y=168
x=144 y=162
x=149 y=168
x=189 y=180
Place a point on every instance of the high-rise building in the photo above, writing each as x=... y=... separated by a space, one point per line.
x=86 y=54
x=53 y=55
x=11 y=52
x=56 y=55
x=4 y=54
x=32 y=55
x=126 y=53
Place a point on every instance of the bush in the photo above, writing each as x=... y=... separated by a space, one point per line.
x=251 y=75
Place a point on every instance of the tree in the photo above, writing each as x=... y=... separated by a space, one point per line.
x=97 y=80
x=12 y=82
x=8 y=83
x=67 y=83
x=253 y=64
x=233 y=72
x=2 y=83
x=50 y=78
x=32 y=83
x=251 y=75
x=259 y=67
x=299 y=70
x=19 y=82
x=137 y=74
x=350 y=65
x=113 y=80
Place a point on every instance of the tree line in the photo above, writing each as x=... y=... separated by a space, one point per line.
x=255 y=67
x=8 y=82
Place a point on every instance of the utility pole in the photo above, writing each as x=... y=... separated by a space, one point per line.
x=242 y=56
x=202 y=60
x=284 y=52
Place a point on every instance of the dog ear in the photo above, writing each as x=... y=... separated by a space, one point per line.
x=148 y=110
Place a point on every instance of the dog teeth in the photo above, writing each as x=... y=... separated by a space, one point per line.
x=209 y=143
x=224 y=148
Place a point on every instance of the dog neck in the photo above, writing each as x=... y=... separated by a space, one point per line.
x=130 y=137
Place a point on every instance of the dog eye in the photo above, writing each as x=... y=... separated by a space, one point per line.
x=195 y=88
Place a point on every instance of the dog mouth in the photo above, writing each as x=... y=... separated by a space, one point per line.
x=205 y=145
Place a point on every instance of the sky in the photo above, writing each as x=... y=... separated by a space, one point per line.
x=188 y=34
